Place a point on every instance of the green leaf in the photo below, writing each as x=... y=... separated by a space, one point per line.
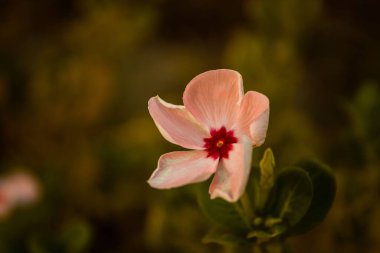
x=263 y=183
x=266 y=228
x=324 y=186
x=224 y=237
x=266 y=233
x=221 y=212
x=291 y=196
x=267 y=164
x=259 y=233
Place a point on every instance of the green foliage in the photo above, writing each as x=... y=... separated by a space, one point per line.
x=324 y=187
x=267 y=164
x=75 y=236
x=224 y=237
x=291 y=196
x=364 y=112
x=219 y=211
x=298 y=200
x=267 y=233
x=71 y=238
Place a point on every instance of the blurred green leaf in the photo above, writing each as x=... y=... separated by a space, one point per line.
x=219 y=211
x=44 y=243
x=35 y=246
x=291 y=195
x=72 y=238
x=224 y=237
x=364 y=110
x=324 y=186
x=75 y=236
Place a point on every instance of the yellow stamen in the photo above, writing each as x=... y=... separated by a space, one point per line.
x=220 y=143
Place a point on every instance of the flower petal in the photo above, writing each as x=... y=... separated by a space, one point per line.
x=254 y=116
x=182 y=168
x=176 y=124
x=213 y=97
x=5 y=203
x=232 y=174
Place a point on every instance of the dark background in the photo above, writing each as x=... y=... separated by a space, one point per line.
x=75 y=78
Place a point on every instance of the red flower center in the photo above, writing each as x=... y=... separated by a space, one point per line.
x=220 y=143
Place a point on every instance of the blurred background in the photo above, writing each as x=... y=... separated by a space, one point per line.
x=75 y=78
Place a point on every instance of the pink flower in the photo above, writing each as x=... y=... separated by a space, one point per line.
x=221 y=124
x=22 y=188
x=17 y=189
x=5 y=204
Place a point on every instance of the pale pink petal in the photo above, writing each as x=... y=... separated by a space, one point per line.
x=23 y=188
x=182 y=168
x=232 y=174
x=5 y=203
x=213 y=97
x=176 y=124
x=254 y=117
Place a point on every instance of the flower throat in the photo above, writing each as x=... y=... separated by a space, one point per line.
x=220 y=143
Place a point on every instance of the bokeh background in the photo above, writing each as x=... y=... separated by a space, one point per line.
x=75 y=78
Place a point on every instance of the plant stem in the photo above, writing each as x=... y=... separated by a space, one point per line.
x=242 y=213
x=244 y=208
x=246 y=204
